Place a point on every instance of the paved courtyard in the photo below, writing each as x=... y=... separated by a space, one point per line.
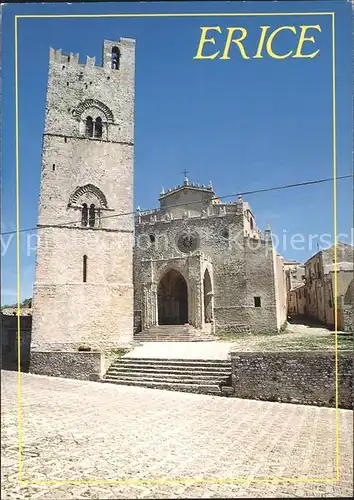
x=163 y=443
x=182 y=350
x=297 y=337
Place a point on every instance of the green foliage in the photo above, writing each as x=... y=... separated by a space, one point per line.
x=24 y=303
x=119 y=352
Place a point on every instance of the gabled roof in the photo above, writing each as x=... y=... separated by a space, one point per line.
x=340 y=244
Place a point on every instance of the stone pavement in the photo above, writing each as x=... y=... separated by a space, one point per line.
x=181 y=350
x=75 y=430
x=220 y=349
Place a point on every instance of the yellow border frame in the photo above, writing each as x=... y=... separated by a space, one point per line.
x=177 y=480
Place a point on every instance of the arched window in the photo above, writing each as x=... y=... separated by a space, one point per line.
x=92 y=215
x=84 y=215
x=115 y=60
x=98 y=127
x=89 y=127
x=84 y=268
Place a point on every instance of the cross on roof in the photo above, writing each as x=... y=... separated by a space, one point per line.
x=185 y=172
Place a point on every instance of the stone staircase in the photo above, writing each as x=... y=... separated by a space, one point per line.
x=175 y=333
x=197 y=376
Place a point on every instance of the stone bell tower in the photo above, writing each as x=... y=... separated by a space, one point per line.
x=83 y=291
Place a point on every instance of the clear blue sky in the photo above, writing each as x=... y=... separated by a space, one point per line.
x=243 y=124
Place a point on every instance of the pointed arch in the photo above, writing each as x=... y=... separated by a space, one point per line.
x=93 y=103
x=168 y=267
x=172 y=298
x=88 y=189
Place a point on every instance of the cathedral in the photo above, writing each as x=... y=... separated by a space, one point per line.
x=195 y=262
x=204 y=263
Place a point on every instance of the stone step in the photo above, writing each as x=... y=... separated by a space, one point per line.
x=172 y=378
x=176 y=333
x=173 y=334
x=167 y=375
x=180 y=387
x=175 y=339
x=169 y=327
x=169 y=370
x=163 y=362
x=194 y=375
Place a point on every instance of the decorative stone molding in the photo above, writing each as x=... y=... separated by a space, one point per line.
x=188 y=242
x=91 y=189
x=93 y=103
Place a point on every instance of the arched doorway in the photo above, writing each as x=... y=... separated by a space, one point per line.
x=208 y=295
x=172 y=297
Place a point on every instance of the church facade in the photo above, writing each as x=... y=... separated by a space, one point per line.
x=204 y=263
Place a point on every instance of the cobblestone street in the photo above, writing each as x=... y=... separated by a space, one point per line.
x=159 y=442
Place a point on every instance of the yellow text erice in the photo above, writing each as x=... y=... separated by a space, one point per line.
x=238 y=35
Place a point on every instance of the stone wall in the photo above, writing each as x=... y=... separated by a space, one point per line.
x=242 y=268
x=346 y=315
x=293 y=377
x=77 y=365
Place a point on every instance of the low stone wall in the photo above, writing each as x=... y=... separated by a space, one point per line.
x=77 y=365
x=348 y=318
x=293 y=377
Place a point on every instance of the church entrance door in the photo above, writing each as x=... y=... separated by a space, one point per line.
x=172 y=299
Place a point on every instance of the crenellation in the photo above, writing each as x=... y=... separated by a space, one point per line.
x=90 y=62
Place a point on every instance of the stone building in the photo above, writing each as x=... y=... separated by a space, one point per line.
x=324 y=291
x=294 y=274
x=83 y=290
x=297 y=300
x=204 y=263
x=295 y=288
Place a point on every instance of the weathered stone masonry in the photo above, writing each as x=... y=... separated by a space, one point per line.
x=294 y=377
x=225 y=262
x=83 y=291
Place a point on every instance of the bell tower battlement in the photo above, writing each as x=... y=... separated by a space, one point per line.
x=75 y=89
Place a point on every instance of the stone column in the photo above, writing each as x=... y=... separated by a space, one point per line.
x=190 y=302
x=144 y=309
x=199 y=305
x=154 y=305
